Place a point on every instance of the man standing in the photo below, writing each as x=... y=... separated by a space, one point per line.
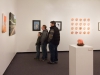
x=53 y=39
x=44 y=42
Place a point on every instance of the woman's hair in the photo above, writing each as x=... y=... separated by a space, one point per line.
x=40 y=33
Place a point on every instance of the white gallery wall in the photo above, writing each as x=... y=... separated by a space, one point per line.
x=7 y=43
x=58 y=10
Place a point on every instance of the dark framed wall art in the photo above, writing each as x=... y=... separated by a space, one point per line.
x=98 y=26
x=36 y=25
x=59 y=25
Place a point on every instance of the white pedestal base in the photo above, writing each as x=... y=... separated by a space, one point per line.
x=80 y=60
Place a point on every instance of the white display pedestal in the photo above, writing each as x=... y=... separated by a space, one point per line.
x=80 y=60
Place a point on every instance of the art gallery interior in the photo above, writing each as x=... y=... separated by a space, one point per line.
x=24 y=39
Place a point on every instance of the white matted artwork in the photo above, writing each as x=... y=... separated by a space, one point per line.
x=59 y=25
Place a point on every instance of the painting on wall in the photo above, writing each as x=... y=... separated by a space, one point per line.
x=4 y=20
x=12 y=24
x=59 y=25
x=36 y=25
x=81 y=25
x=98 y=26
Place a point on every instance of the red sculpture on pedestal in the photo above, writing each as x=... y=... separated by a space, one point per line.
x=80 y=42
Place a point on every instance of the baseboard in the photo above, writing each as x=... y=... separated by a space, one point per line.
x=35 y=52
x=48 y=52
x=96 y=50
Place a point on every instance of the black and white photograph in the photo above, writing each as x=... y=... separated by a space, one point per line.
x=59 y=25
x=36 y=24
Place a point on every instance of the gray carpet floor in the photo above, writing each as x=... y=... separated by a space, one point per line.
x=24 y=64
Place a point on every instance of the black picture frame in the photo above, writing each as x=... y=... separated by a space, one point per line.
x=98 y=26
x=36 y=25
x=59 y=25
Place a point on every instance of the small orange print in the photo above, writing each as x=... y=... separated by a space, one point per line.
x=80 y=24
x=72 y=24
x=84 y=24
x=84 y=32
x=88 y=32
x=80 y=19
x=88 y=24
x=88 y=28
x=76 y=24
x=72 y=28
x=76 y=32
x=76 y=19
x=84 y=28
x=76 y=28
x=88 y=19
x=84 y=19
x=72 y=19
x=72 y=32
x=80 y=28
x=80 y=32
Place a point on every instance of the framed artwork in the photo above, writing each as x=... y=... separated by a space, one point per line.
x=4 y=21
x=12 y=24
x=36 y=25
x=98 y=26
x=59 y=25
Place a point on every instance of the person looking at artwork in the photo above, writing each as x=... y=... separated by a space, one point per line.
x=53 y=40
x=44 y=37
x=38 y=44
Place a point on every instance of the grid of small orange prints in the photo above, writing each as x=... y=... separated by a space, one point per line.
x=80 y=25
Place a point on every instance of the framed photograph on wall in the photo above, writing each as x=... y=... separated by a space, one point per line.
x=12 y=24
x=36 y=25
x=59 y=25
x=98 y=26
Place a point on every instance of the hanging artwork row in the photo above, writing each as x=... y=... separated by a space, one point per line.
x=80 y=26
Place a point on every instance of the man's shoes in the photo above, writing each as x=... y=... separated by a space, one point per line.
x=50 y=62
x=36 y=58
x=56 y=62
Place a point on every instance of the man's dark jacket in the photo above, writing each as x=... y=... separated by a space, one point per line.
x=54 y=35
